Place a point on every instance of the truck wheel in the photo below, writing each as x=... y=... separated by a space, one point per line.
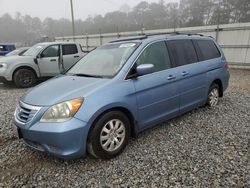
x=109 y=135
x=24 y=78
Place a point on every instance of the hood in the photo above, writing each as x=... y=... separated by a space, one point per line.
x=61 y=89
x=14 y=59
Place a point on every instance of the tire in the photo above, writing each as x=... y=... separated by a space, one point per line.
x=24 y=78
x=114 y=140
x=213 y=95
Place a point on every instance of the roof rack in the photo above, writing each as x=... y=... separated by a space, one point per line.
x=174 y=33
x=189 y=34
x=130 y=38
x=144 y=36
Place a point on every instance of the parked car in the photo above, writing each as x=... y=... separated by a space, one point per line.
x=6 y=48
x=119 y=90
x=42 y=60
x=18 y=51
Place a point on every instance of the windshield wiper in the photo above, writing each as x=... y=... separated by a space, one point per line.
x=87 y=75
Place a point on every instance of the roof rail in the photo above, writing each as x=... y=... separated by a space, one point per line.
x=167 y=33
x=144 y=36
x=174 y=33
x=130 y=38
x=189 y=34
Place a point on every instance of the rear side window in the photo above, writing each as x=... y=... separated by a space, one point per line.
x=182 y=52
x=157 y=55
x=206 y=49
x=68 y=49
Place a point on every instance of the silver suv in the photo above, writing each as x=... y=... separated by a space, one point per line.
x=40 y=61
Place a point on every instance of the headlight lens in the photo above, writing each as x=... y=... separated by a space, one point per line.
x=3 y=66
x=62 y=112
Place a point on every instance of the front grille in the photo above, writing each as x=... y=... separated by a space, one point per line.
x=25 y=113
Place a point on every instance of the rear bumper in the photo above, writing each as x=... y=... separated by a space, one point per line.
x=226 y=80
x=67 y=140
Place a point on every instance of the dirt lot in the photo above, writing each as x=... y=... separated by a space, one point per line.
x=208 y=147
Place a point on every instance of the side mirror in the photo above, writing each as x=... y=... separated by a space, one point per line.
x=39 y=56
x=144 y=69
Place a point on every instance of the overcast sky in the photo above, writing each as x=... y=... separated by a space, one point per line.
x=61 y=8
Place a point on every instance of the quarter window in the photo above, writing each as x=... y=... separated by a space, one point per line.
x=157 y=55
x=68 y=49
x=182 y=52
x=207 y=49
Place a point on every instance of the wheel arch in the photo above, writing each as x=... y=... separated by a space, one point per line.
x=219 y=83
x=24 y=67
x=126 y=111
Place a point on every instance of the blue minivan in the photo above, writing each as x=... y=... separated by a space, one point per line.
x=6 y=48
x=118 y=90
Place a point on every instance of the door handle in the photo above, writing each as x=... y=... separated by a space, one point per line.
x=171 y=77
x=76 y=56
x=53 y=60
x=184 y=73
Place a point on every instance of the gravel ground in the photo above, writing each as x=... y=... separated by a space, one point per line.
x=208 y=147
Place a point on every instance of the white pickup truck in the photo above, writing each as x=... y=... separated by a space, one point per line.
x=42 y=60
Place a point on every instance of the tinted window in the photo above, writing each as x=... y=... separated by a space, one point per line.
x=51 y=51
x=68 y=49
x=207 y=49
x=157 y=55
x=182 y=52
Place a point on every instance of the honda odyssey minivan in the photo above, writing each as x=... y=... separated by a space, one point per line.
x=118 y=90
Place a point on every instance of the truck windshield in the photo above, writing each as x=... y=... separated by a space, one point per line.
x=34 y=50
x=105 y=61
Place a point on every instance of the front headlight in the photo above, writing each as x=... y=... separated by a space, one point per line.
x=3 y=66
x=62 y=112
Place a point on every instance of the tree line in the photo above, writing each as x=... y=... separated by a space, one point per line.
x=186 y=13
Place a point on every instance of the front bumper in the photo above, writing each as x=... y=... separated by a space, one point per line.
x=65 y=140
x=3 y=79
x=5 y=75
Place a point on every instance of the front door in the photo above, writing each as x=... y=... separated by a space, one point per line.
x=156 y=93
x=48 y=61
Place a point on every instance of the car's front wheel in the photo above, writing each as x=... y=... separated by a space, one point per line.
x=24 y=78
x=109 y=135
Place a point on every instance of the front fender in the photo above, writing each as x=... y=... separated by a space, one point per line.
x=112 y=106
x=14 y=67
x=94 y=116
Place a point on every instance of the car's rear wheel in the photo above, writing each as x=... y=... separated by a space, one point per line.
x=24 y=78
x=213 y=95
x=109 y=135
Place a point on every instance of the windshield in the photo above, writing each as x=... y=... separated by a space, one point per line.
x=104 y=61
x=34 y=50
